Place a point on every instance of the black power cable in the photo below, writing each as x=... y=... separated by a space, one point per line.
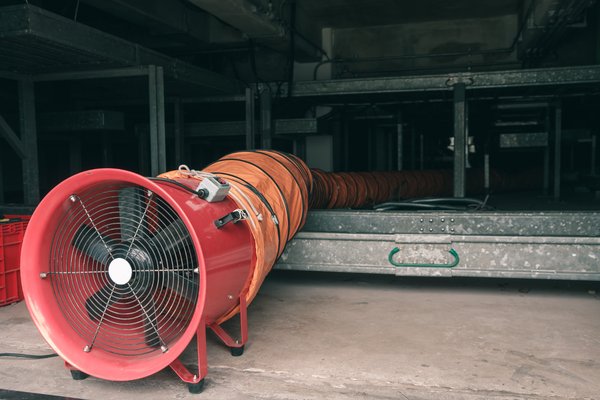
x=29 y=356
x=202 y=193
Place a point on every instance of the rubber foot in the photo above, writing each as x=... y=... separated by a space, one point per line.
x=196 y=388
x=78 y=375
x=237 y=351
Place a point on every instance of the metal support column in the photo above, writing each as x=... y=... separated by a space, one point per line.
x=345 y=140
x=250 y=124
x=460 y=140
x=557 y=148
x=156 y=93
x=31 y=174
x=389 y=147
x=370 y=147
x=266 y=119
x=178 y=130
x=547 y=154
x=400 y=148
x=338 y=142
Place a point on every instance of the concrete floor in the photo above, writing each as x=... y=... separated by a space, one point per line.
x=328 y=336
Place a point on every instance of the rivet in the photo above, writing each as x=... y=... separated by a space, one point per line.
x=431 y=220
x=443 y=219
x=421 y=219
x=164 y=348
x=230 y=297
x=43 y=275
x=73 y=198
x=87 y=349
x=430 y=229
x=451 y=219
x=443 y=230
x=451 y=229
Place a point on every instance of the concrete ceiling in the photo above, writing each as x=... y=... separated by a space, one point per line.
x=368 y=37
x=359 y=13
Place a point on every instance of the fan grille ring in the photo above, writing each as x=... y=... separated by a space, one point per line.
x=128 y=316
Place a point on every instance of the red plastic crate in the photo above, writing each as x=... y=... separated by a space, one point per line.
x=11 y=238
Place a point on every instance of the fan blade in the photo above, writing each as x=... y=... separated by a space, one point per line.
x=174 y=240
x=131 y=213
x=145 y=300
x=151 y=326
x=90 y=242
x=97 y=304
x=181 y=285
x=175 y=236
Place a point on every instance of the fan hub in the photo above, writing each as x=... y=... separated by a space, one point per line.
x=120 y=271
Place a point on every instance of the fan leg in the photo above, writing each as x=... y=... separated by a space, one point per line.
x=195 y=382
x=237 y=351
x=76 y=374
x=235 y=346
x=196 y=388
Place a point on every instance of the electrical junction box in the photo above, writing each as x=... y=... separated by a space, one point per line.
x=216 y=189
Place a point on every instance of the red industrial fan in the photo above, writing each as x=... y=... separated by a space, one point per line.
x=120 y=272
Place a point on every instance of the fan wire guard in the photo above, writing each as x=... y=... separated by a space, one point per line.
x=124 y=270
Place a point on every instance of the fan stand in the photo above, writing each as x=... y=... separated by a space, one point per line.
x=196 y=381
x=235 y=346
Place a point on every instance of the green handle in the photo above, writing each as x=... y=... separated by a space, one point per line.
x=453 y=264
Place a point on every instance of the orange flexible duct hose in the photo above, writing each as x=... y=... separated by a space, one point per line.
x=362 y=189
x=274 y=189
